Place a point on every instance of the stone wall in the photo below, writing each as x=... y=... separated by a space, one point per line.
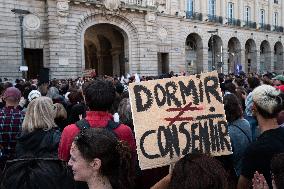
x=146 y=33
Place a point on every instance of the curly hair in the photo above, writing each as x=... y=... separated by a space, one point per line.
x=233 y=107
x=115 y=155
x=198 y=171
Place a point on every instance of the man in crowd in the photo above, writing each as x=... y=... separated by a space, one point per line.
x=99 y=97
x=278 y=82
x=11 y=119
x=267 y=103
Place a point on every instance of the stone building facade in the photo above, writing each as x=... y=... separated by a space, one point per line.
x=149 y=37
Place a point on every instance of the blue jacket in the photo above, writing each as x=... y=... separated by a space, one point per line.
x=241 y=137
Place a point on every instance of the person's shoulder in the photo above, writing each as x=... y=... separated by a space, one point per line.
x=18 y=111
x=70 y=129
x=123 y=128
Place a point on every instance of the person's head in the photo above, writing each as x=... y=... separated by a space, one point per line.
x=52 y=92
x=277 y=169
x=278 y=80
x=267 y=101
x=198 y=171
x=230 y=87
x=100 y=95
x=43 y=88
x=96 y=152
x=7 y=85
x=75 y=97
x=40 y=115
x=12 y=96
x=233 y=107
x=253 y=82
x=76 y=111
x=60 y=111
x=239 y=82
x=33 y=95
x=124 y=112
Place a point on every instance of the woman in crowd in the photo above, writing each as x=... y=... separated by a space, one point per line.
x=61 y=116
x=124 y=112
x=239 y=129
x=39 y=135
x=37 y=164
x=98 y=158
x=195 y=171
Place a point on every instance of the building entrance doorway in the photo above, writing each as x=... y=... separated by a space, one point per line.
x=106 y=49
x=34 y=61
x=163 y=63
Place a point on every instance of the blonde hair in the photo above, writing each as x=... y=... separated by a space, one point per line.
x=60 y=111
x=40 y=115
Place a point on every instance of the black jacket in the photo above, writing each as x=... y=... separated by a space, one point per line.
x=39 y=143
x=37 y=165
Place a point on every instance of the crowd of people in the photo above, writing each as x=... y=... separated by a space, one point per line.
x=80 y=134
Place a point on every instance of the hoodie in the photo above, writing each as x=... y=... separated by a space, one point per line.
x=39 y=144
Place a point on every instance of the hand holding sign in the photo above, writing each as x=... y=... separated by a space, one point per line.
x=175 y=116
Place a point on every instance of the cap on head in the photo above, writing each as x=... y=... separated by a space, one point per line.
x=279 y=77
x=33 y=95
x=265 y=96
x=12 y=92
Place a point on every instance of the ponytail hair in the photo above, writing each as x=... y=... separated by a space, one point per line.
x=115 y=155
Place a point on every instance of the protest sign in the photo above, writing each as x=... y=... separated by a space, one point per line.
x=176 y=116
x=89 y=73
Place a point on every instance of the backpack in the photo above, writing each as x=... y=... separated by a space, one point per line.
x=34 y=173
x=84 y=124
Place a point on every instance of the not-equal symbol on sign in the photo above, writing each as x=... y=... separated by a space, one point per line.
x=181 y=111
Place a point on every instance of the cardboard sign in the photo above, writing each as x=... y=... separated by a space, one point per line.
x=89 y=73
x=23 y=68
x=176 y=116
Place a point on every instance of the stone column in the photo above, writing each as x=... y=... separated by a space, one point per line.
x=282 y=14
x=243 y=59
x=205 y=59
x=270 y=13
x=256 y=12
x=241 y=11
x=182 y=5
x=204 y=9
x=115 y=61
x=223 y=10
x=197 y=6
x=257 y=55
x=200 y=7
x=271 y=53
x=100 y=65
x=225 y=61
